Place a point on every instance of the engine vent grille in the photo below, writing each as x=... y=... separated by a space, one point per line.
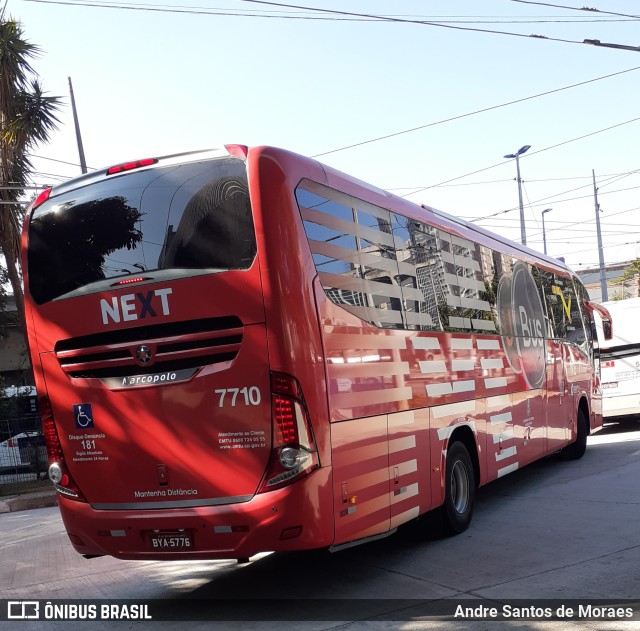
x=151 y=349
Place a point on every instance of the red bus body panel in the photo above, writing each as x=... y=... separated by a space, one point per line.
x=176 y=430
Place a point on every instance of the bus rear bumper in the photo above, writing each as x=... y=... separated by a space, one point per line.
x=297 y=517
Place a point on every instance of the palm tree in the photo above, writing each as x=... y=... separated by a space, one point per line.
x=27 y=117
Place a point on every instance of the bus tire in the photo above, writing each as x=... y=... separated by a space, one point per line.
x=459 y=490
x=576 y=449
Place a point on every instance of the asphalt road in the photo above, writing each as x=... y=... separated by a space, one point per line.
x=554 y=530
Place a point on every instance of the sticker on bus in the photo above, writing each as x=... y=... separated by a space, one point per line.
x=83 y=414
x=627 y=375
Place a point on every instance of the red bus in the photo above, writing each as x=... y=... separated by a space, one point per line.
x=244 y=350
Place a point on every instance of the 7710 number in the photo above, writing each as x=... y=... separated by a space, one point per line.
x=247 y=396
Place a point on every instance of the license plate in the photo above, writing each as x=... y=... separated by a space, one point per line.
x=171 y=540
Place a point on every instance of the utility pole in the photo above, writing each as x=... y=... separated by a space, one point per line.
x=544 y=234
x=523 y=231
x=516 y=155
x=83 y=163
x=603 y=278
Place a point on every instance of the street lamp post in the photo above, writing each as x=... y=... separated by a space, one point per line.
x=544 y=234
x=516 y=155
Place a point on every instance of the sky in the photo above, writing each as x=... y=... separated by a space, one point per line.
x=431 y=107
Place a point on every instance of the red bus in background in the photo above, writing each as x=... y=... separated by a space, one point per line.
x=244 y=350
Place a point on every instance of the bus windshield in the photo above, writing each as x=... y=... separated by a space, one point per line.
x=191 y=216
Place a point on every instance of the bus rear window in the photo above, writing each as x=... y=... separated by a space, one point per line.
x=190 y=217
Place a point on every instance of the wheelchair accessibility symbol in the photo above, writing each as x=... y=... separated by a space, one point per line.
x=83 y=414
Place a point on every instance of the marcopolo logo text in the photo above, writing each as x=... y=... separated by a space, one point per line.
x=145 y=380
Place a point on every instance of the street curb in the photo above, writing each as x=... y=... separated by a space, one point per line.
x=28 y=501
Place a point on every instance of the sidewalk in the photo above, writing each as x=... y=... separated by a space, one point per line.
x=27 y=501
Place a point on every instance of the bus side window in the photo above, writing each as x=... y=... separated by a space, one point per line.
x=419 y=272
x=559 y=303
x=544 y=281
x=354 y=252
x=569 y=313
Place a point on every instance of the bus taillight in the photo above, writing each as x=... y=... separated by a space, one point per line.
x=128 y=166
x=293 y=449
x=58 y=472
x=42 y=198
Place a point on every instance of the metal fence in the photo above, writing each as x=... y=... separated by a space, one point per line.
x=23 y=454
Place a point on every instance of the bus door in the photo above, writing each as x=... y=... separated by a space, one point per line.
x=591 y=347
x=577 y=351
x=560 y=299
x=556 y=392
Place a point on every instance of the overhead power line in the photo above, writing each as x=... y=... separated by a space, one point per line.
x=606 y=247
x=21 y=187
x=309 y=15
x=480 y=111
x=55 y=176
x=73 y=164
x=497 y=164
x=535 y=181
x=594 y=42
x=580 y=223
x=367 y=16
x=583 y=9
x=545 y=200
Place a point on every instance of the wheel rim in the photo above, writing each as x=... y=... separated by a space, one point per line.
x=459 y=487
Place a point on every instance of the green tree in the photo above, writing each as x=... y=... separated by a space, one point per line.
x=630 y=277
x=27 y=117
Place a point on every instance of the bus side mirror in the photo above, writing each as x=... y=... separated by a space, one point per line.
x=605 y=317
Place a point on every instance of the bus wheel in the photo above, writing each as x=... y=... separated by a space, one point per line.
x=459 y=490
x=576 y=449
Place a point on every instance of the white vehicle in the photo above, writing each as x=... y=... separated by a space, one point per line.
x=15 y=453
x=620 y=359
